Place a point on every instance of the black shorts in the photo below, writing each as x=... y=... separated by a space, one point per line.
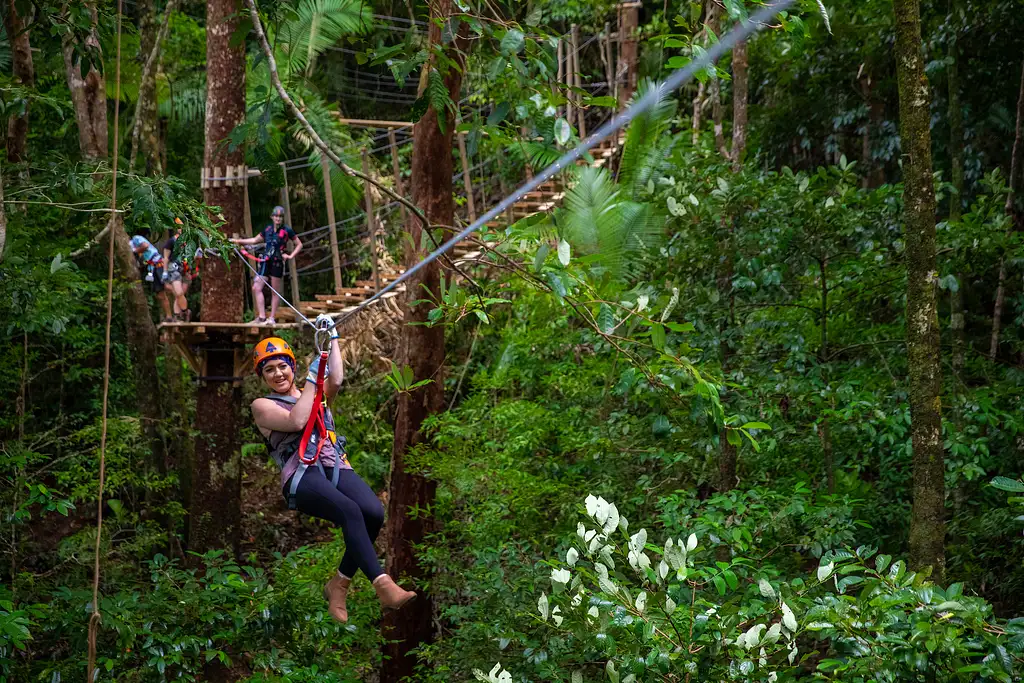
x=157 y=285
x=271 y=268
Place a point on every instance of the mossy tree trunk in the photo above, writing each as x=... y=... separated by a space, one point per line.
x=88 y=90
x=928 y=521
x=24 y=74
x=422 y=349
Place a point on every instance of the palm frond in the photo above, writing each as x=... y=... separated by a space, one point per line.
x=314 y=26
x=647 y=143
x=589 y=211
x=610 y=234
x=183 y=101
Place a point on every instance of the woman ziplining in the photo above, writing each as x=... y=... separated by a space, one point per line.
x=316 y=477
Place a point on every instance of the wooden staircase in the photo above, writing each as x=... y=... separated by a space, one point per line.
x=543 y=199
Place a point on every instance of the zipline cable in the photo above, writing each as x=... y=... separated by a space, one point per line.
x=673 y=82
x=94 y=618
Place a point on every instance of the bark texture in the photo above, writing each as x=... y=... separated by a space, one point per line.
x=88 y=93
x=1015 y=163
x=626 y=73
x=928 y=524
x=146 y=129
x=215 y=492
x=422 y=349
x=740 y=68
x=24 y=74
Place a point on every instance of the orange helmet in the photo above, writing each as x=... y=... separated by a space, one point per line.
x=271 y=347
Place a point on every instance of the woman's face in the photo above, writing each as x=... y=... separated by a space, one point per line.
x=278 y=375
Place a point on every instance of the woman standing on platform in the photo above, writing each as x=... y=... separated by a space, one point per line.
x=276 y=237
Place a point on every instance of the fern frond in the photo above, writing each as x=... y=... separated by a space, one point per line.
x=611 y=235
x=316 y=25
x=645 y=148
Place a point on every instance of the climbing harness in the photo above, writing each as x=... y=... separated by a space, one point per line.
x=319 y=427
x=254 y=257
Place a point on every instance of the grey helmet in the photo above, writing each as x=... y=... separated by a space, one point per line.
x=278 y=211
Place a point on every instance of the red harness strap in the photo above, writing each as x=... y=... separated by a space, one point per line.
x=316 y=418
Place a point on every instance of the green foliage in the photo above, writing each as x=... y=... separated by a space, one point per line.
x=172 y=622
x=632 y=607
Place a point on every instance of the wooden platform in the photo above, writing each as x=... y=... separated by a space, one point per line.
x=188 y=338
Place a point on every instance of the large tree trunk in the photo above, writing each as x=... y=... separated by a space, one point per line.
x=1015 y=162
x=144 y=342
x=422 y=349
x=88 y=94
x=24 y=74
x=216 y=484
x=928 y=523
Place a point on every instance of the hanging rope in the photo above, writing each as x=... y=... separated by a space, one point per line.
x=94 y=618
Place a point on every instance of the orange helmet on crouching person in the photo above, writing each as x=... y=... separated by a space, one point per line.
x=272 y=347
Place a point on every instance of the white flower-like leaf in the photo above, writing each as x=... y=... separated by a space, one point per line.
x=613 y=519
x=556 y=617
x=766 y=589
x=638 y=540
x=670 y=605
x=691 y=543
x=825 y=570
x=641 y=602
x=788 y=618
x=542 y=606
x=560 y=577
x=662 y=570
x=591 y=503
x=571 y=557
x=581 y=530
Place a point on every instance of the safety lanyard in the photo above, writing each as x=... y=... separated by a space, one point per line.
x=316 y=418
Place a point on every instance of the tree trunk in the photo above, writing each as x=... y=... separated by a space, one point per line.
x=1015 y=162
x=698 y=111
x=216 y=485
x=144 y=343
x=24 y=74
x=146 y=129
x=3 y=217
x=422 y=349
x=739 y=104
x=88 y=94
x=927 y=528
x=626 y=73
x=956 y=202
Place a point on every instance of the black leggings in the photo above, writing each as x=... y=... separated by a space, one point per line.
x=352 y=506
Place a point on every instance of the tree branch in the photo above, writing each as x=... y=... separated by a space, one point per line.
x=268 y=52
